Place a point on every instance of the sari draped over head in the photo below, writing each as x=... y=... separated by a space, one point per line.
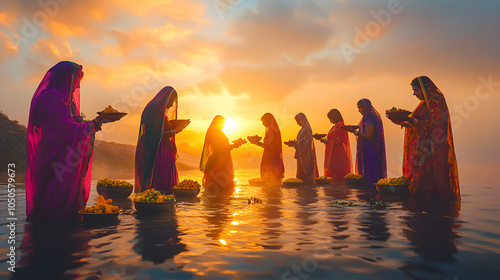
x=216 y=161
x=429 y=160
x=59 y=147
x=155 y=156
x=305 y=153
x=337 y=153
x=370 y=154
x=271 y=166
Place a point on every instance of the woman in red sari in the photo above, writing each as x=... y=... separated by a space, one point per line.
x=338 y=149
x=216 y=161
x=429 y=160
x=272 y=169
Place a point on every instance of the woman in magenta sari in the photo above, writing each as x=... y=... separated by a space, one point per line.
x=370 y=148
x=338 y=149
x=305 y=153
x=272 y=169
x=216 y=162
x=60 y=146
x=156 y=152
x=429 y=161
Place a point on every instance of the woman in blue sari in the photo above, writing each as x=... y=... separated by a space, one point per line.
x=370 y=148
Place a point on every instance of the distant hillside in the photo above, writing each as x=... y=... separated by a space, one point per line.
x=12 y=147
x=111 y=160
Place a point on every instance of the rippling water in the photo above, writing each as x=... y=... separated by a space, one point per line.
x=296 y=233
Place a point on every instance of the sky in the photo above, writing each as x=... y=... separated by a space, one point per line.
x=243 y=58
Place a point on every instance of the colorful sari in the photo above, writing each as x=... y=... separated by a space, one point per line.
x=305 y=153
x=272 y=169
x=155 y=155
x=216 y=162
x=59 y=147
x=337 y=153
x=429 y=160
x=370 y=154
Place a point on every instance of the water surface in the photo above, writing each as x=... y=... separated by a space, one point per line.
x=296 y=233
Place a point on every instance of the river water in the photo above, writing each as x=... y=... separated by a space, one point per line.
x=295 y=233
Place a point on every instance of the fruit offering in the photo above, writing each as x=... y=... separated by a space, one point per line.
x=353 y=176
x=254 y=139
x=102 y=206
x=394 y=109
x=290 y=143
x=153 y=196
x=400 y=181
x=293 y=180
x=187 y=184
x=113 y=183
x=109 y=109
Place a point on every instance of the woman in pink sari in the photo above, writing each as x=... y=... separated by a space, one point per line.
x=338 y=149
x=156 y=152
x=60 y=146
x=305 y=153
x=429 y=160
x=272 y=169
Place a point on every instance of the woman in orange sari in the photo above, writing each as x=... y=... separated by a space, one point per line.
x=429 y=160
x=272 y=169
x=216 y=161
x=338 y=149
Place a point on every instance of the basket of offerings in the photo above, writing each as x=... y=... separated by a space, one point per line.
x=324 y=180
x=152 y=200
x=254 y=138
x=187 y=188
x=393 y=186
x=114 y=188
x=256 y=182
x=111 y=112
x=350 y=127
x=292 y=182
x=397 y=114
x=290 y=143
x=101 y=211
x=178 y=122
x=238 y=142
x=318 y=136
x=354 y=180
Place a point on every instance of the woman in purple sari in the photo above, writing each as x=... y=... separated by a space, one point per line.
x=156 y=152
x=370 y=149
x=59 y=146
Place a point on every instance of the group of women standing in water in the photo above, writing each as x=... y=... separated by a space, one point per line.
x=60 y=145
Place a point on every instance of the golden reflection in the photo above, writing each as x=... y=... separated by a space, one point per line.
x=223 y=242
x=235 y=223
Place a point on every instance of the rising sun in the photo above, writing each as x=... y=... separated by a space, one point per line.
x=231 y=126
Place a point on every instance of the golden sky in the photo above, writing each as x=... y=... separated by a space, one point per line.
x=243 y=58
